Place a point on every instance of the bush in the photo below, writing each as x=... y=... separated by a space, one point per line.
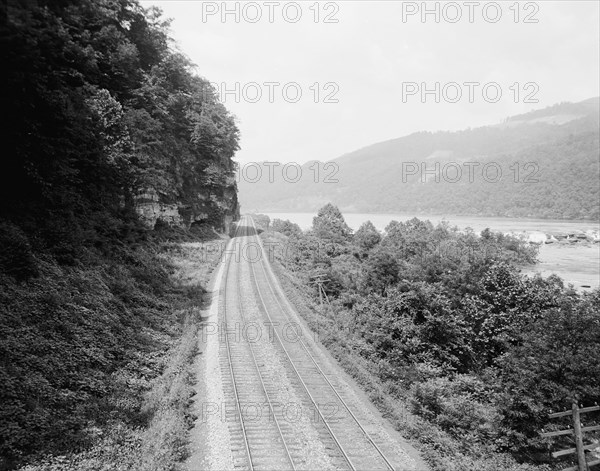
x=63 y=335
x=262 y=222
x=459 y=405
x=16 y=257
x=286 y=227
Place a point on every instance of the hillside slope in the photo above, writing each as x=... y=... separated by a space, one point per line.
x=540 y=164
x=110 y=132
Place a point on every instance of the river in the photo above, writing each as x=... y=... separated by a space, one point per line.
x=578 y=264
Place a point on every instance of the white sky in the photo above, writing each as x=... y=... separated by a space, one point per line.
x=369 y=53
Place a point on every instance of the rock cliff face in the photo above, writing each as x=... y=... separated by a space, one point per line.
x=151 y=210
x=213 y=207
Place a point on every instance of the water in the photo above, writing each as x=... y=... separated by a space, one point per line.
x=578 y=264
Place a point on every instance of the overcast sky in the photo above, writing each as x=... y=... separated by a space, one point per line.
x=366 y=65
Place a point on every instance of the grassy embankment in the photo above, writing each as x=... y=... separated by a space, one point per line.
x=97 y=358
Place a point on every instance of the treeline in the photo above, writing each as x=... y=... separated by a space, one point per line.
x=540 y=165
x=555 y=180
x=100 y=109
x=446 y=324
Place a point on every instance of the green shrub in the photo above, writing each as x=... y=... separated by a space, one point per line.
x=16 y=257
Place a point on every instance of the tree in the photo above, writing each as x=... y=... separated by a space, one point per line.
x=262 y=222
x=381 y=271
x=505 y=304
x=367 y=236
x=329 y=225
x=286 y=227
x=408 y=239
x=555 y=362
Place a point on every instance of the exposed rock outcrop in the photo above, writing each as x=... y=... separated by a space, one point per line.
x=214 y=209
x=151 y=210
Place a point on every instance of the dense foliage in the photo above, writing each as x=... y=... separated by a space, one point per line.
x=286 y=227
x=448 y=324
x=101 y=109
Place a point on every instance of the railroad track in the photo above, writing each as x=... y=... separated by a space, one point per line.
x=347 y=438
x=257 y=444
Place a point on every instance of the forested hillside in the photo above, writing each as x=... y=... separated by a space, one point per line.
x=110 y=137
x=102 y=110
x=542 y=164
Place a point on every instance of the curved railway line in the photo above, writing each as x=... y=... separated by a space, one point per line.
x=271 y=443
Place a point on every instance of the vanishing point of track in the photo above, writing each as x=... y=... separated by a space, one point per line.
x=273 y=444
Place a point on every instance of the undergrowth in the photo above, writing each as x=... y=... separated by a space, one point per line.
x=95 y=357
x=440 y=449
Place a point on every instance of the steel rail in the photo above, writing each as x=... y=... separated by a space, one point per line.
x=241 y=310
x=235 y=391
x=286 y=311
x=331 y=433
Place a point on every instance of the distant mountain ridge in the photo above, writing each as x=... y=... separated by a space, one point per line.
x=544 y=164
